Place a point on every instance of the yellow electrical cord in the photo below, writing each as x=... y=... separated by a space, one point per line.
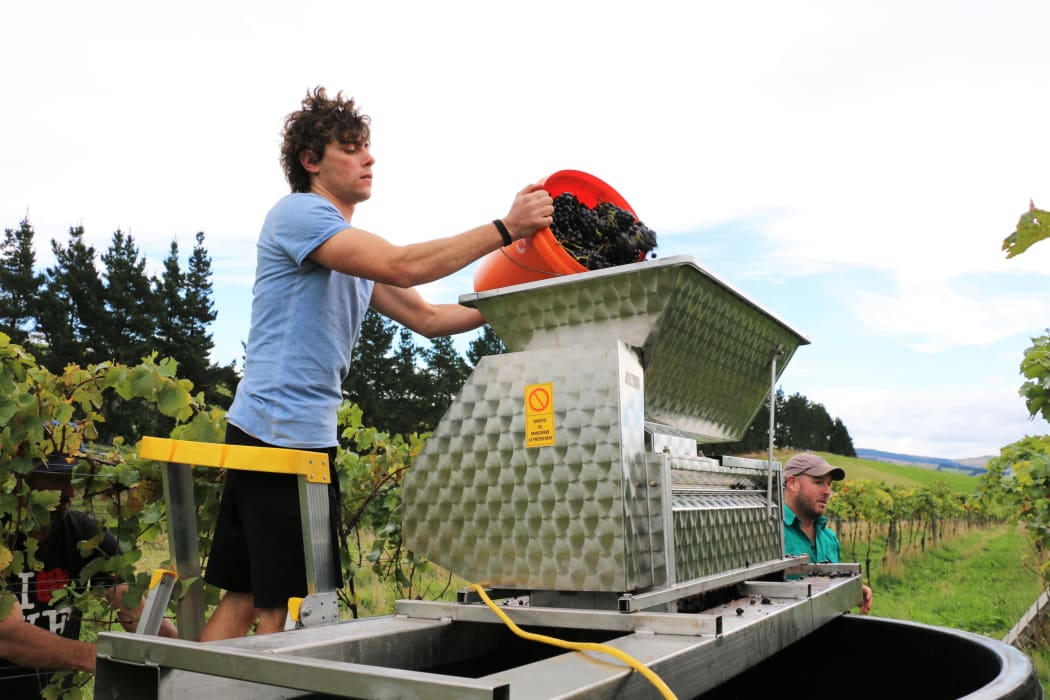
x=578 y=646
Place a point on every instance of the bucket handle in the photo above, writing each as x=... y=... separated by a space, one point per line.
x=527 y=267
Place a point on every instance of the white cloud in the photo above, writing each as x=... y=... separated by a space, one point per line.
x=932 y=316
x=956 y=424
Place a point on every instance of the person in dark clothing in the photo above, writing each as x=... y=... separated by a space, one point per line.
x=40 y=635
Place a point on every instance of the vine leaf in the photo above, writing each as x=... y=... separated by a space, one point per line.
x=1032 y=227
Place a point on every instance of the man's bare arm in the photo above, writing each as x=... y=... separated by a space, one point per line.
x=409 y=309
x=357 y=252
x=28 y=645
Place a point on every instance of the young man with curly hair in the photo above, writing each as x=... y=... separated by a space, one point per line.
x=316 y=277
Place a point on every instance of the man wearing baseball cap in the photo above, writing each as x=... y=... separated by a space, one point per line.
x=807 y=489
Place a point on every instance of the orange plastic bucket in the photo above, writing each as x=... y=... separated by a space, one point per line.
x=542 y=256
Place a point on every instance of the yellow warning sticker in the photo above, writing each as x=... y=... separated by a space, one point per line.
x=539 y=414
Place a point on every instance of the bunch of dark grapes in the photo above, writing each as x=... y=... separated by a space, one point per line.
x=604 y=236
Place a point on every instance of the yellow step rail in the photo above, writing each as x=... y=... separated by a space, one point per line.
x=277 y=460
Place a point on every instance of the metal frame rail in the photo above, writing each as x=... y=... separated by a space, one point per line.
x=410 y=653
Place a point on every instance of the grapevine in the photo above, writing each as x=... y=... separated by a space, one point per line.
x=602 y=236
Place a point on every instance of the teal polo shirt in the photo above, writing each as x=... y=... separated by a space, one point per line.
x=796 y=542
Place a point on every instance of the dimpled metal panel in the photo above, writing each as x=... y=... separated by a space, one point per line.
x=722 y=518
x=718 y=533
x=706 y=348
x=485 y=506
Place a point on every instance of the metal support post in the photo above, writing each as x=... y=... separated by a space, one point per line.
x=183 y=548
x=778 y=351
x=160 y=588
x=321 y=605
x=668 y=525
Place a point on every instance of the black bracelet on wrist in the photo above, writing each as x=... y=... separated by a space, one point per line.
x=503 y=232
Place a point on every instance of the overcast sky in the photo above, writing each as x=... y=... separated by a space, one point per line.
x=851 y=166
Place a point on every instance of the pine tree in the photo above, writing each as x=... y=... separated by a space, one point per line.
x=399 y=388
x=793 y=419
x=406 y=402
x=371 y=368
x=198 y=313
x=487 y=343
x=130 y=325
x=168 y=290
x=800 y=424
x=840 y=442
x=127 y=332
x=19 y=283
x=819 y=437
x=72 y=310
x=198 y=310
x=445 y=374
x=184 y=315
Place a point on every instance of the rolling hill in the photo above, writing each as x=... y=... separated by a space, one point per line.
x=905 y=474
x=973 y=465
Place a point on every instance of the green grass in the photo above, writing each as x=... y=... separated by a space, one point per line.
x=376 y=596
x=975 y=582
x=1041 y=656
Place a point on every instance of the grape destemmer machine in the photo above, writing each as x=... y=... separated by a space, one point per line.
x=569 y=466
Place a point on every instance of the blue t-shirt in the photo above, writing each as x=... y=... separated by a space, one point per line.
x=796 y=542
x=305 y=321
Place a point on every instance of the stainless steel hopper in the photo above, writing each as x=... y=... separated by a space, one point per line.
x=704 y=346
x=554 y=468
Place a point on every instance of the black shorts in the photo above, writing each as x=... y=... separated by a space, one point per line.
x=258 y=543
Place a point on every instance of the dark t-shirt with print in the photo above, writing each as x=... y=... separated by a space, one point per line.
x=33 y=592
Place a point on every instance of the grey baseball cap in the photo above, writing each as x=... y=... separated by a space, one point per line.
x=813 y=465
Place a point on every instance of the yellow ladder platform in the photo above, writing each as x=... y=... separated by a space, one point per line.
x=278 y=460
